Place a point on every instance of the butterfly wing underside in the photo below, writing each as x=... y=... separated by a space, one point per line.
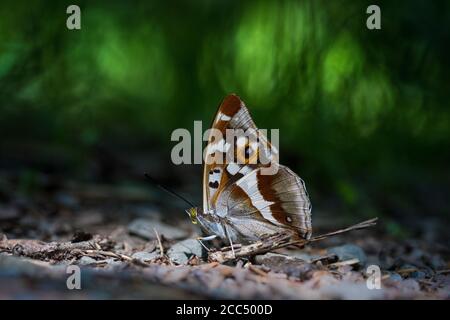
x=255 y=203
x=280 y=199
x=232 y=114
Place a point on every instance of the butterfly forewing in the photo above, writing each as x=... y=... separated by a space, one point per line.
x=235 y=186
x=229 y=157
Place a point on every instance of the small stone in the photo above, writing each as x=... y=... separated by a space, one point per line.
x=145 y=256
x=394 y=276
x=303 y=256
x=410 y=285
x=291 y=266
x=85 y=261
x=181 y=252
x=347 y=269
x=112 y=264
x=418 y=275
x=145 y=228
x=349 y=251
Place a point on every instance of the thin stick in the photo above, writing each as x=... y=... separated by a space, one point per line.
x=161 y=249
x=344 y=263
x=48 y=250
x=443 y=271
x=358 y=226
x=277 y=241
x=229 y=239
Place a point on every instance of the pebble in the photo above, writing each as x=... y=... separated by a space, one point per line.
x=349 y=251
x=303 y=256
x=113 y=264
x=291 y=266
x=181 y=252
x=394 y=276
x=85 y=261
x=144 y=256
x=410 y=285
x=418 y=275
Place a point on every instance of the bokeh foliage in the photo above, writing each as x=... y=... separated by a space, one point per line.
x=363 y=115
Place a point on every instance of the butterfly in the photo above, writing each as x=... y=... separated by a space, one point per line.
x=247 y=194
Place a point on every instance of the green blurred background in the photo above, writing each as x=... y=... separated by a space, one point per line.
x=363 y=115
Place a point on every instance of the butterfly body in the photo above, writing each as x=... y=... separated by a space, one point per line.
x=247 y=194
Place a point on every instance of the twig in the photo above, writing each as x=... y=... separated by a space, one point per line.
x=161 y=249
x=109 y=254
x=265 y=245
x=358 y=226
x=344 y=263
x=406 y=271
x=42 y=250
x=277 y=241
x=443 y=271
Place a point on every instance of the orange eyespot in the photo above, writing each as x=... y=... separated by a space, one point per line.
x=247 y=154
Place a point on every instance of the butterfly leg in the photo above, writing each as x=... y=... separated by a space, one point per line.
x=208 y=238
x=231 y=242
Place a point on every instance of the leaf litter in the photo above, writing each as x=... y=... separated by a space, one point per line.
x=125 y=253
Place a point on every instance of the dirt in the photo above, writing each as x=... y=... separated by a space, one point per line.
x=128 y=246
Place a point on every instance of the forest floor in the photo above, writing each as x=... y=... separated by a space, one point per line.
x=128 y=248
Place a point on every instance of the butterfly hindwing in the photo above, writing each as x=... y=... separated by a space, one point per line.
x=280 y=199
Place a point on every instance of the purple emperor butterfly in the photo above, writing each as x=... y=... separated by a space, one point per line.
x=247 y=194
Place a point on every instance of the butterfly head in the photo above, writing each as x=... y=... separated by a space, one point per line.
x=193 y=213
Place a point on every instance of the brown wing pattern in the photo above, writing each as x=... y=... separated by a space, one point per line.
x=279 y=199
x=236 y=187
x=232 y=114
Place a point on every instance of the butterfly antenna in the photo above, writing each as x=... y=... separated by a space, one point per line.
x=168 y=190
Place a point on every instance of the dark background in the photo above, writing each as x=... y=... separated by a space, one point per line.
x=364 y=116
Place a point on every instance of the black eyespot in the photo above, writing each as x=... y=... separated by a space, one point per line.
x=214 y=184
x=211 y=172
x=217 y=170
